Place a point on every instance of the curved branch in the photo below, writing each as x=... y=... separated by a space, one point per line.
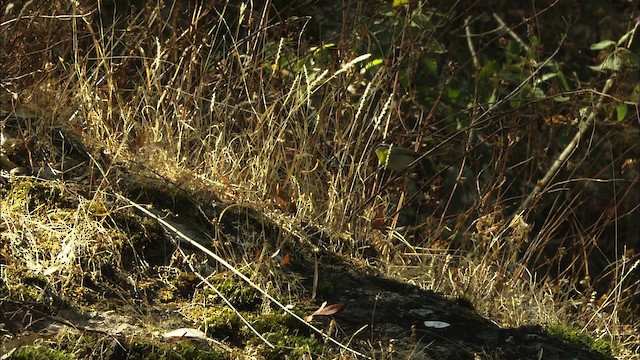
x=568 y=150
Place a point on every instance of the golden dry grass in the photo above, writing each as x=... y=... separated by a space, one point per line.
x=242 y=114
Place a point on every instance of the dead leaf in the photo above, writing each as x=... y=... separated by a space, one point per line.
x=183 y=333
x=324 y=311
x=378 y=218
x=285 y=259
x=556 y=120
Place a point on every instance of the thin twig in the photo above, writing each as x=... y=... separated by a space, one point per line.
x=510 y=32
x=472 y=49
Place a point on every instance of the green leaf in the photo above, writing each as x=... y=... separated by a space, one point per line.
x=420 y=20
x=621 y=111
x=635 y=94
x=453 y=93
x=488 y=70
x=612 y=62
x=624 y=37
x=538 y=93
x=431 y=65
x=436 y=48
x=513 y=48
x=548 y=76
x=602 y=45
x=534 y=41
x=561 y=98
x=563 y=80
x=397 y=3
x=373 y=63
x=631 y=58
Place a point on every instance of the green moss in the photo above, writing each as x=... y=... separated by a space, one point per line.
x=80 y=346
x=325 y=289
x=278 y=321
x=27 y=196
x=186 y=284
x=241 y=295
x=291 y=346
x=577 y=336
x=224 y=324
x=97 y=209
x=40 y=353
x=290 y=337
x=265 y=323
x=18 y=197
x=181 y=350
x=189 y=350
x=32 y=287
x=165 y=294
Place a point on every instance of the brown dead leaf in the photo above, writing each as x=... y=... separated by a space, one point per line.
x=324 y=311
x=285 y=259
x=378 y=218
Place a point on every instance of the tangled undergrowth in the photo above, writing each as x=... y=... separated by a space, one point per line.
x=254 y=126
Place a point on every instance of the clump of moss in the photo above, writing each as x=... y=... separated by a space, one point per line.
x=224 y=324
x=241 y=295
x=290 y=337
x=182 y=350
x=40 y=353
x=325 y=289
x=27 y=196
x=575 y=335
x=73 y=345
x=292 y=346
x=275 y=321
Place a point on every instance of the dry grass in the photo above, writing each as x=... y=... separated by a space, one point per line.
x=246 y=113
